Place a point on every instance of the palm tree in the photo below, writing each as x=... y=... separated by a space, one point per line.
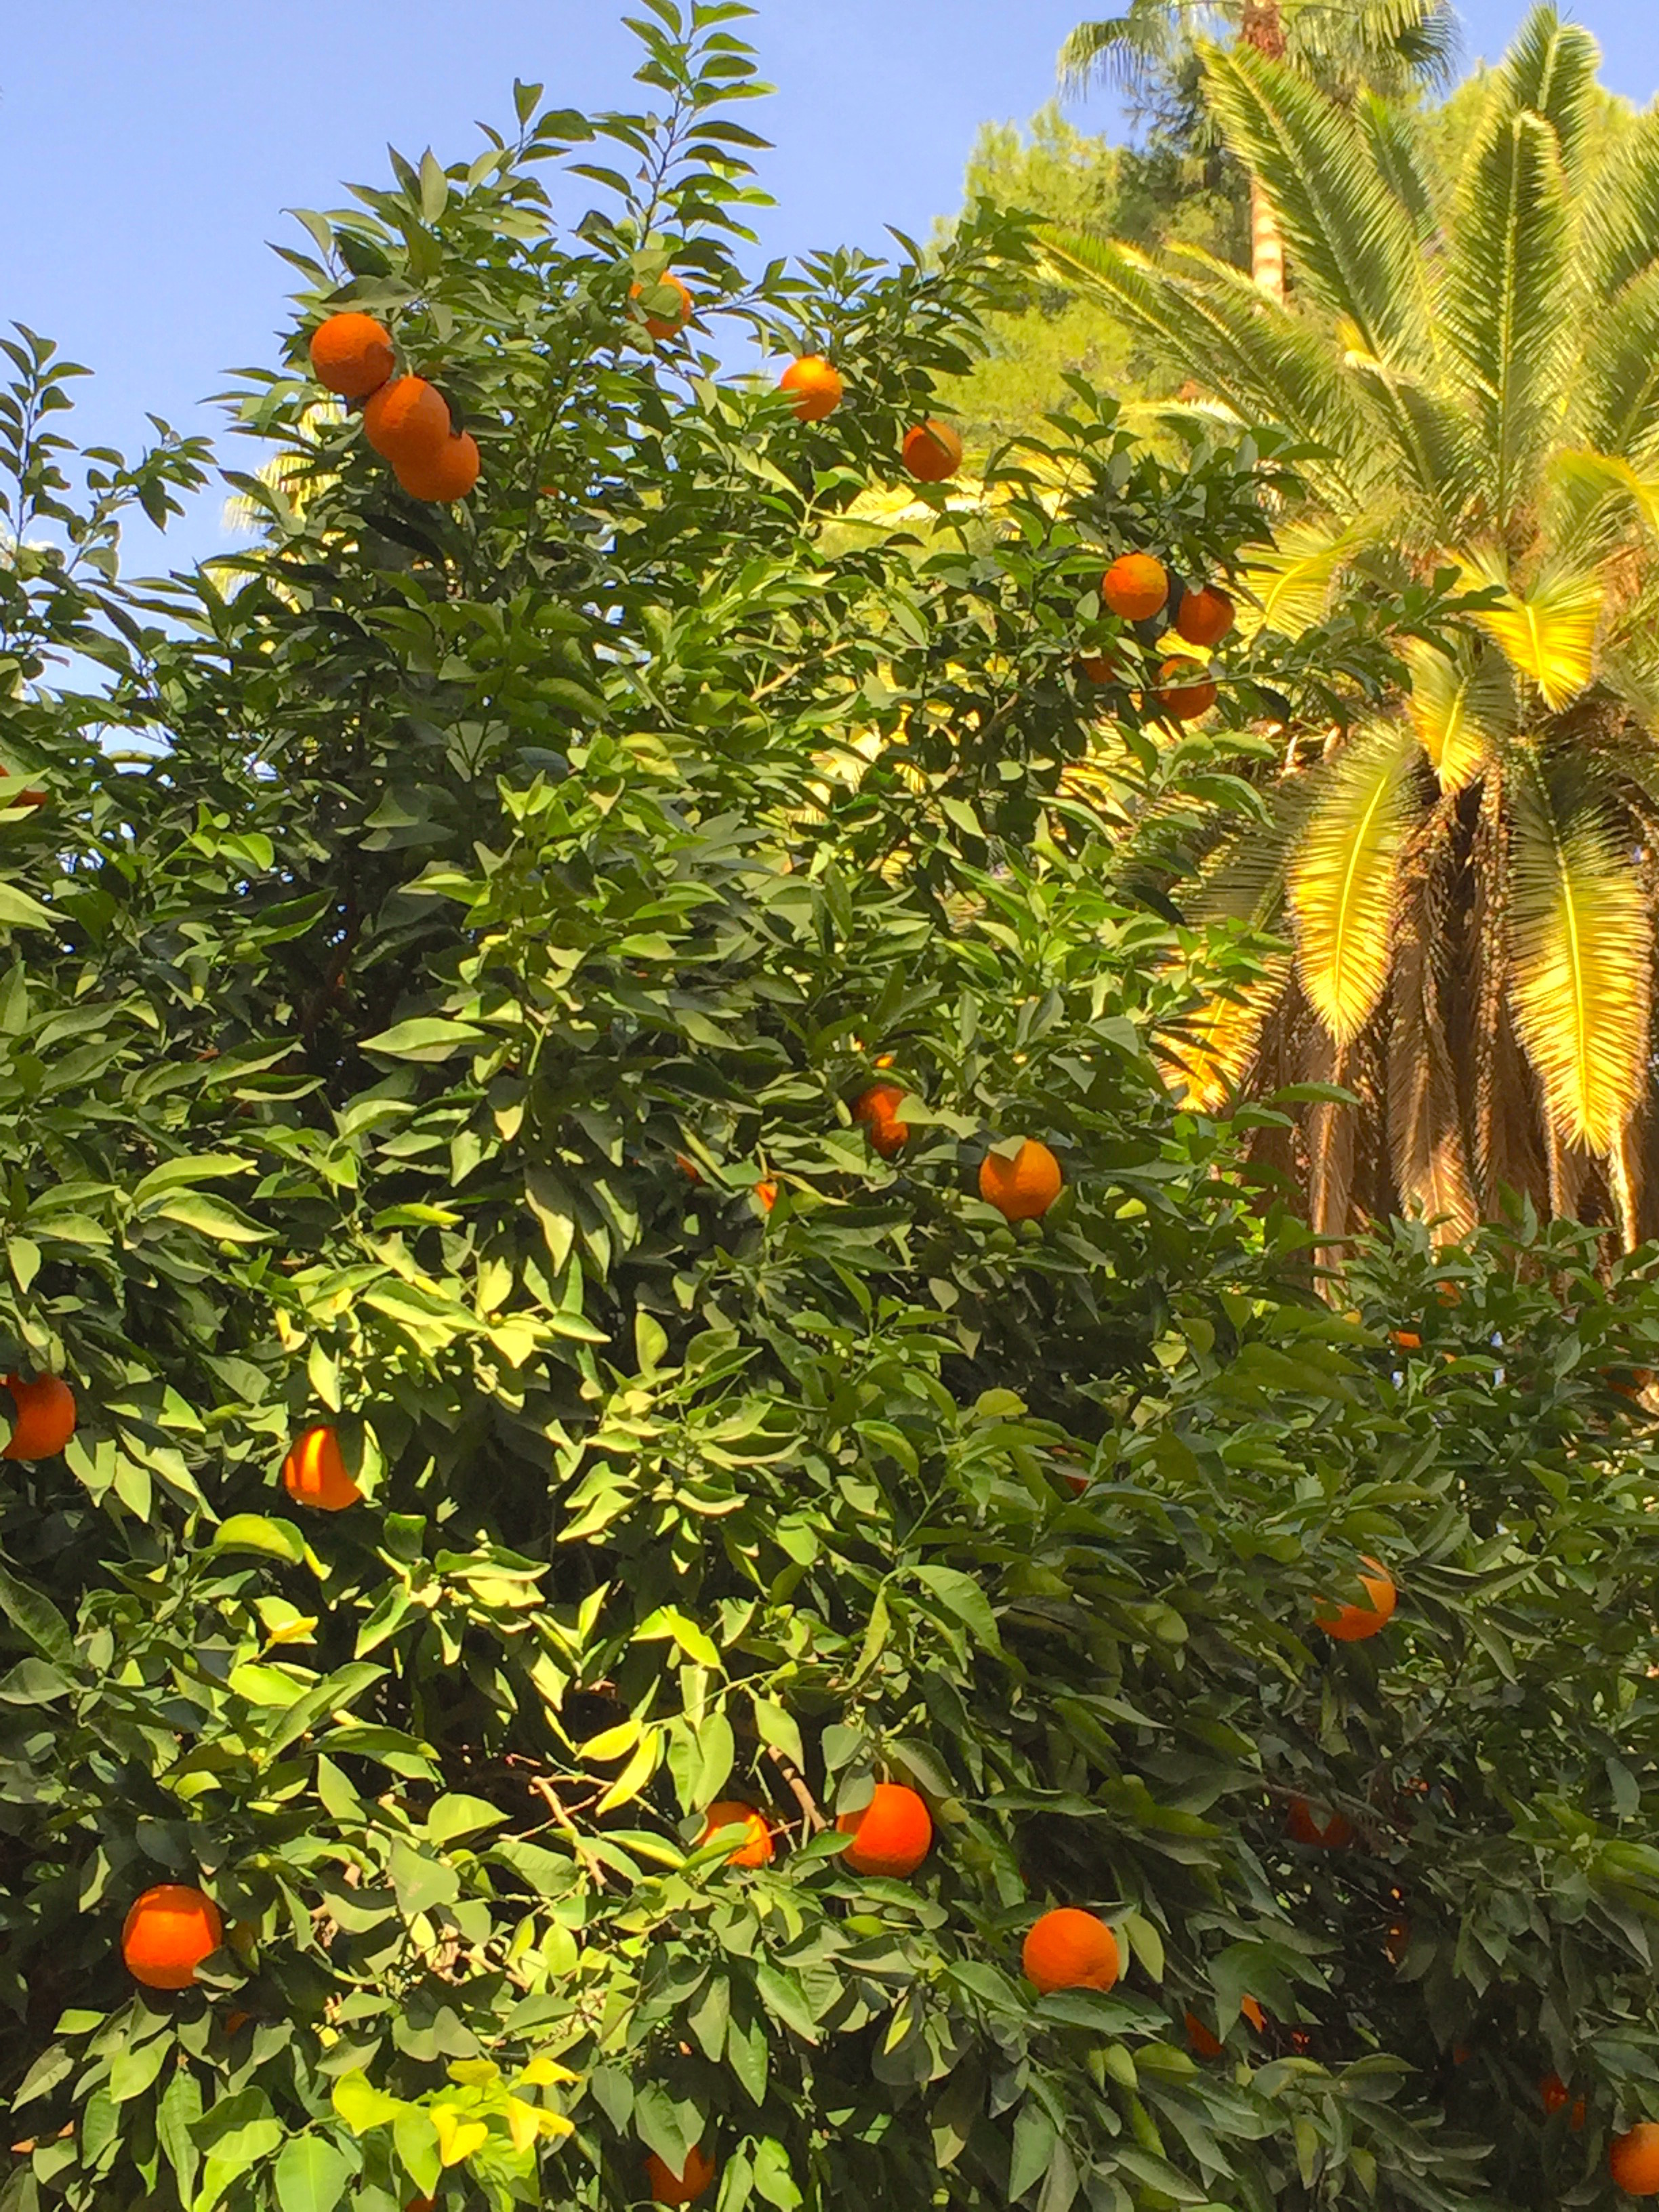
x=1344 y=46
x=1469 y=879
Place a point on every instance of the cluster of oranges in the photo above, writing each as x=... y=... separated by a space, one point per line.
x=1022 y=1183
x=405 y=419
x=1138 y=588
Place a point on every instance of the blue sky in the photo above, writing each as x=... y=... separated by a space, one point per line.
x=147 y=152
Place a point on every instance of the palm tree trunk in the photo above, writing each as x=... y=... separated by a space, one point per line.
x=1262 y=27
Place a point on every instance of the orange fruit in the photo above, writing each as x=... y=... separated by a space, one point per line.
x=1023 y=1188
x=666 y=326
x=1335 y=1832
x=1352 y=1623
x=1098 y=667
x=1069 y=1949
x=877 y=1112
x=1203 y=617
x=1184 y=703
x=933 y=451
x=1406 y=1340
x=1633 y=2161
x=1554 y=2093
x=1252 y=2012
x=421 y=2204
x=756 y=1848
x=688 y=1167
x=768 y=1195
x=169 y=1933
x=407 y=421
x=1205 y=2041
x=45 y=1417
x=447 y=472
x=816 y=387
x=314 y=1473
x=680 y=2188
x=1135 y=587
x=892 y=1834
x=29 y=798
x=351 y=354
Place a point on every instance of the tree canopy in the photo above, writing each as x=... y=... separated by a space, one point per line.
x=448 y=947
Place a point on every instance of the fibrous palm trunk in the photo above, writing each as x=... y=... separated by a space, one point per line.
x=1262 y=27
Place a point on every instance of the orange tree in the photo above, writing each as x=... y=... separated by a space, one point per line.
x=526 y=1413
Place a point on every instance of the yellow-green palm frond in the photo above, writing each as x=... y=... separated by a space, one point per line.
x=1213 y=1053
x=287 y=485
x=1581 y=954
x=1510 y=303
x=1594 y=496
x=1463 y=707
x=1548 y=631
x=1289 y=584
x=1343 y=878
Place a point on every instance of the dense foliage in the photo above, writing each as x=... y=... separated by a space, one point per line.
x=441 y=966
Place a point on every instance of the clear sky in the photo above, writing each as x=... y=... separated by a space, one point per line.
x=147 y=151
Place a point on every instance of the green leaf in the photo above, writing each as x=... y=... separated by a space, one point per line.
x=426 y=1037
x=961 y=1596
x=259 y=1532
x=311 y=2174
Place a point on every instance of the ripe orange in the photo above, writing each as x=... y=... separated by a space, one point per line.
x=756 y=1848
x=1554 y=2093
x=1633 y=2161
x=1068 y=1949
x=1023 y=1188
x=1203 y=617
x=877 y=1112
x=407 y=421
x=666 y=326
x=1135 y=587
x=1098 y=667
x=169 y=1933
x=447 y=472
x=1205 y=2041
x=45 y=1417
x=817 y=387
x=892 y=1834
x=1184 y=703
x=680 y=2188
x=768 y=1195
x=933 y=451
x=1335 y=1832
x=1406 y=1340
x=314 y=1473
x=688 y=1167
x=1352 y=1623
x=1252 y=2012
x=351 y=354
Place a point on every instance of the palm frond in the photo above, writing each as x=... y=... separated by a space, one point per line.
x=1581 y=956
x=1463 y=707
x=1215 y=1054
x=1621 y=223
x=1291 y=582
x=1342 y=880
x=1550 y=71
x=1594 y=498
x=1615 y=401
x=1350 y=240
x=1392 y=44
x=1509 y=302
x=1547 y=632
x=1264 y=363
x=1391 y=132
x=1119 y=51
